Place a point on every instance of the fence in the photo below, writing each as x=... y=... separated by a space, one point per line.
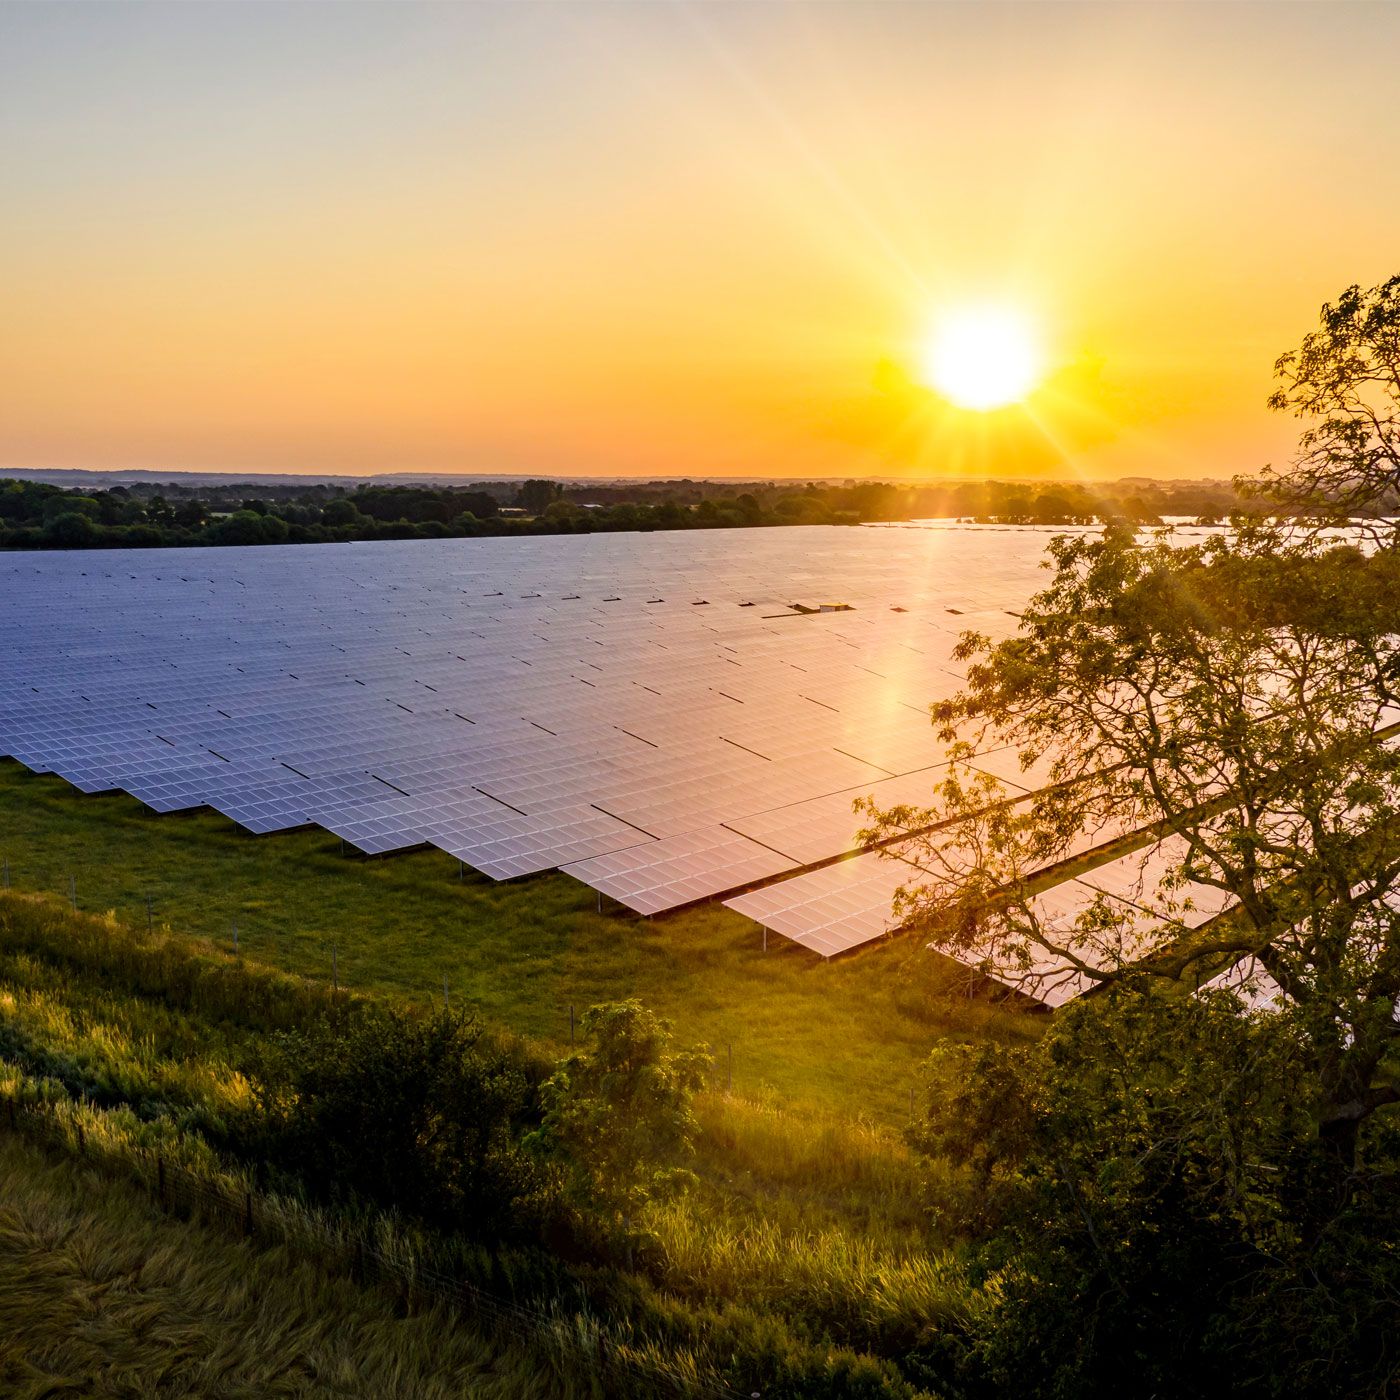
x=247 y=1211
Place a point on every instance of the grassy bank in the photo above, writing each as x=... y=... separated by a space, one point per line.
x=803 y=1247
x=838 y=1038
x=101 y=1294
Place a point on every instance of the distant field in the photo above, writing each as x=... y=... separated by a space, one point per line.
x=844 y=1036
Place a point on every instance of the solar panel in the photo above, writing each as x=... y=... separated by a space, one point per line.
x=678 y=870
x=523 y=704
x=833 y=909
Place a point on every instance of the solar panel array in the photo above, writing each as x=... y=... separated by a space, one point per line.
x=667 y=717
x=523 y=704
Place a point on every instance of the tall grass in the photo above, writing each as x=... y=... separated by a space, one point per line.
x=864 y=1293
x=853 y=1169
x=179 y=971
x=104 y=1052
x=100 y=1294
x=802 y=1258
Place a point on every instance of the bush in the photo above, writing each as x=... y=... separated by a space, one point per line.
x=619 y=1114
x=423 y=1116
x=1148 y=1184
x=72 y=530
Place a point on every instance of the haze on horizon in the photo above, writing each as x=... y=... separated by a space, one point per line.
x=674 y=239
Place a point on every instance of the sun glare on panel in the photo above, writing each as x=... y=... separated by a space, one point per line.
x=982 y=357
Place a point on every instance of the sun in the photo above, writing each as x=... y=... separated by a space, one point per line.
x=982 y=357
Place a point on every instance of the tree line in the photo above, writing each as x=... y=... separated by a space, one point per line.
x=37 y=515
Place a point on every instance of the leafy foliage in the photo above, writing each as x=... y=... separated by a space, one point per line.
x=142 y=516
x=1344 y=379
x=619 y=1113
x=422 y=1115
x=1186 y=692
x=1145 y=1180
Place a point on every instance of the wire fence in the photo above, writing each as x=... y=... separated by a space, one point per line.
x=568 y=1334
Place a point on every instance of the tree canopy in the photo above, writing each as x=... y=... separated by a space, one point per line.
x=1344 y=382
x=1225 y=707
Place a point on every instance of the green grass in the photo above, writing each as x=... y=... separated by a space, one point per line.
x=810 y=1227
x=841 y=1037
x=100 y=1294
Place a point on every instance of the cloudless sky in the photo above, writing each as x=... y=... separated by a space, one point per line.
x=658 y=238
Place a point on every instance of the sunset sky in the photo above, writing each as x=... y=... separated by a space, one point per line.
x=665 y=239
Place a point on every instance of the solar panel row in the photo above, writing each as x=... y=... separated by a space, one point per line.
x=658 y=715
x=522 y=704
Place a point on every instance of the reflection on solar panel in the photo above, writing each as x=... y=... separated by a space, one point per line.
x=845 y=905
x=827 y=826
x=680 y=869
x=1252 y=984
x=528 y=703
x=1135 y=879
x=833 y=909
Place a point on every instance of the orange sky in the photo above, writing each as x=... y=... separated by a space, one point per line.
x=656 y=239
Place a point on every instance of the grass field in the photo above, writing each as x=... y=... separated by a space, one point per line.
x=842 y=1038
x=804 y=1230
x=100 y=1294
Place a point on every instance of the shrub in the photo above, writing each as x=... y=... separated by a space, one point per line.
x=420 y=1115
x=619 y=1114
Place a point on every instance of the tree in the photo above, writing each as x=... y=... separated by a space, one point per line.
x=536 y=496
x=1344 y=379
x=1210 y=695
x=481 y=504
x=72 y=530
x=563 y=513
x=341 y=512
x=1137 y=1179
x=619 y=1112
x=65 y=504
x=1226 y=697
x=242 y=527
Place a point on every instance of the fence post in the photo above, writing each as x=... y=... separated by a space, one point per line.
x=73 y=893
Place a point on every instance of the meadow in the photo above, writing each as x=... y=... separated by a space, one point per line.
x=802 y=1252
x=103 y=1294
x=840 y=1038
x=807 y=1227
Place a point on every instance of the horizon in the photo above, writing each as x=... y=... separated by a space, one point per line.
x=619 y=242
